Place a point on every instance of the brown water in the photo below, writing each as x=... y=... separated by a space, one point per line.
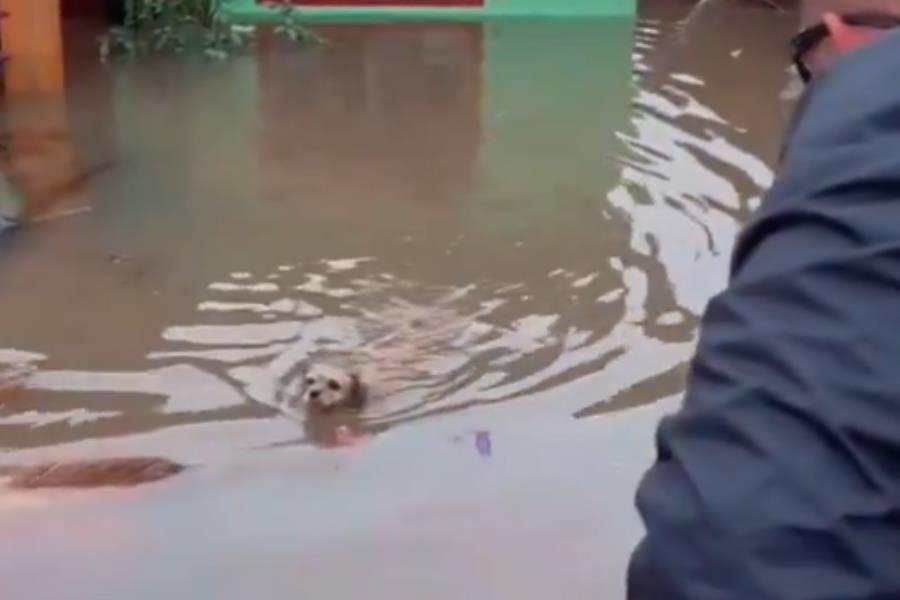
x=515 y=226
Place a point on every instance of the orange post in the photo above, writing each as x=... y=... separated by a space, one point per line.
x=41 y=163
x=32 y=38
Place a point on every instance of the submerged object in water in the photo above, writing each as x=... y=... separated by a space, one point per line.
x=110 y=472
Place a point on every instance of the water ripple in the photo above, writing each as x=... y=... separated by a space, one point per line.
x=496 y=300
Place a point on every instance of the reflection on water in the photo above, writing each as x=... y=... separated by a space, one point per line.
x=507 y=223
x=433 y=201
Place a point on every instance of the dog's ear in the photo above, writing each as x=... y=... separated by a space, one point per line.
x=357 y=391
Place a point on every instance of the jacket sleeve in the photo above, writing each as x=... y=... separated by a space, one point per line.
x=780 y=475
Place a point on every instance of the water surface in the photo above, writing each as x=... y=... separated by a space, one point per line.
x=516 y=225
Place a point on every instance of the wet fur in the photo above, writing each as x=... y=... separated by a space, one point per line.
x=316 y=395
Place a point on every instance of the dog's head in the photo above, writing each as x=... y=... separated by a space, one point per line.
x=327 y=387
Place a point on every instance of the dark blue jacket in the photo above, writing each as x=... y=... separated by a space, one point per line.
x=780 y=476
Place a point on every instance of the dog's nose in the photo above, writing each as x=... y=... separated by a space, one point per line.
x=314 y=394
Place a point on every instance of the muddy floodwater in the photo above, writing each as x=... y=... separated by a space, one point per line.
x=513 y=226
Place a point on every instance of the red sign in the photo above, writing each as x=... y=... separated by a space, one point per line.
x=389 y=3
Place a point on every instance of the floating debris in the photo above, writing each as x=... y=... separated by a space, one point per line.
x=111 y=472
x=483 y=443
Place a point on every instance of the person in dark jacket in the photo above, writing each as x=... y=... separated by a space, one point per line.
x=779 y=478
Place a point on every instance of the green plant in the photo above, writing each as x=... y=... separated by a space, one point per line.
x=289 y=23
x=153 y=26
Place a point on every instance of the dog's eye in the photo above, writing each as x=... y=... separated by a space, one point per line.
x=310 y=380
x=334 y=385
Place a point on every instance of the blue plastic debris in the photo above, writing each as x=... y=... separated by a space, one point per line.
x=483 y=443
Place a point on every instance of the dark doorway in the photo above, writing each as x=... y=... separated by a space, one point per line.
x=111 y=11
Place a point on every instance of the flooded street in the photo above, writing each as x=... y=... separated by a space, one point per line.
x=513 y=227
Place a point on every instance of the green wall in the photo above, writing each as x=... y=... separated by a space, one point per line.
x=248 y=11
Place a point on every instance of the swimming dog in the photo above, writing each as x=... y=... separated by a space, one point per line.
x=327 y=387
